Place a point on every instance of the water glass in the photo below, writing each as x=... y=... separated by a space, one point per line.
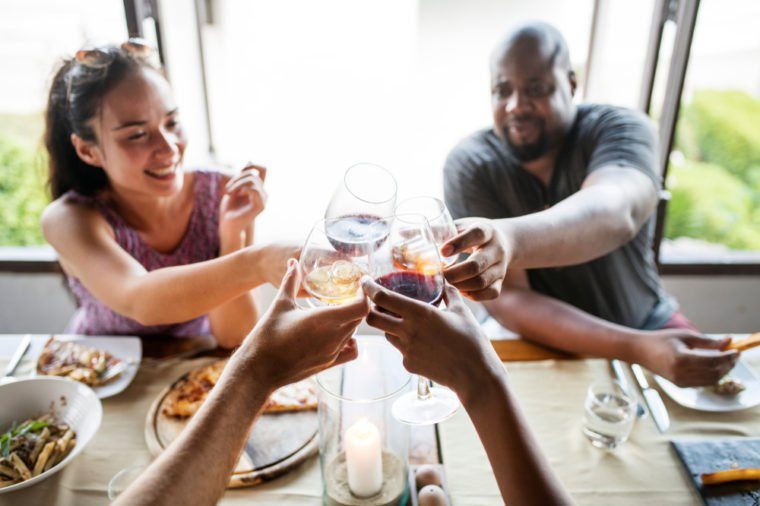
x=609 y=413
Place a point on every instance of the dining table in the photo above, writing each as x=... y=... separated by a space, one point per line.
x=550 y=386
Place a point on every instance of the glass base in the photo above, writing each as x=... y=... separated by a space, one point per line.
x=440 y=406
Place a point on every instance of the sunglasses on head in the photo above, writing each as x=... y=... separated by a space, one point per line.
x=98 y=58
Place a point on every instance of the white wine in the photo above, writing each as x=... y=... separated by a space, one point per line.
x=336 y=283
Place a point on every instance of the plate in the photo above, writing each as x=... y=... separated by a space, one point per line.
x=277 y=443
x=126 y=348
x=73 y=403
x=705 y=399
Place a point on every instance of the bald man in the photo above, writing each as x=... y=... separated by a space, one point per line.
x=570 y=192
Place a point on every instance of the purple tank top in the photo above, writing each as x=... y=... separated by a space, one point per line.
x=200 y=242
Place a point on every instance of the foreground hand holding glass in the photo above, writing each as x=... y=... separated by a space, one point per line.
x=409 y=263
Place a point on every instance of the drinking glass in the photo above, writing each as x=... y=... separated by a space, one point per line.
x=409 y=263
x=121 y=480
x=437 y=215
x=609 y=413
x=332 y=268
x=365 y=197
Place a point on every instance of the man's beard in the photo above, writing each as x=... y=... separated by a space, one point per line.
x=528 y=152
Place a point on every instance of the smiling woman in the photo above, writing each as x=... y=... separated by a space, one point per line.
x=147 y=246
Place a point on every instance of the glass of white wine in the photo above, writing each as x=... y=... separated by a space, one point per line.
x=332 y=268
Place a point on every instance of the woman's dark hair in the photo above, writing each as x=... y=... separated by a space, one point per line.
x=76 y=96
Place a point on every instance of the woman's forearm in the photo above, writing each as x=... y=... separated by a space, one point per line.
x=196 y=467
x=559 y=325
x=181 y=293
x=522 y=472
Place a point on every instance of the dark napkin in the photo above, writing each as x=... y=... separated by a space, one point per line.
x=716 y=455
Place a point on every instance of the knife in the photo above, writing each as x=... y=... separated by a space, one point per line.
x=653 y=400
x=18 y=355
x=619 y=370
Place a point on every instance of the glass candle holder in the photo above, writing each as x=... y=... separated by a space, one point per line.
x=363 y=449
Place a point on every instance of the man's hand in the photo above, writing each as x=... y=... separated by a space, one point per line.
x=686 y=358
x=290 y=343
x=445 y=346
x=481 y=275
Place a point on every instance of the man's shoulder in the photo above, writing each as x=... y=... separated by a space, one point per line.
x=593 y=116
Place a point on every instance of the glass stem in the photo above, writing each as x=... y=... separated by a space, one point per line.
x=423 y=388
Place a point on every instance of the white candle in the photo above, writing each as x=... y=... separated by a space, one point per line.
x=364 y=459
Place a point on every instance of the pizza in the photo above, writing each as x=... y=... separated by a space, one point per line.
x=187 y=395
x=79 y=362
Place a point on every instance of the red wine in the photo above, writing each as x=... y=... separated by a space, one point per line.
x=422 y=287
x=355 y=234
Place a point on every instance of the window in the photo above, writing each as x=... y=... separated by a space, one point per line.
x=395 y=82
x=713 y=172
x=31 y=41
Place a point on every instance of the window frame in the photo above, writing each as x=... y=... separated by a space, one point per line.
x=684 y=14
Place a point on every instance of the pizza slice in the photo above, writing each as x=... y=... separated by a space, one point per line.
x=187 y=396
x=79 y=362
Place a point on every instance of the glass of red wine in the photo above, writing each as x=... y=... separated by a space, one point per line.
x=359 y=209
x=331 y=274
x=437 y=214
x=409 y=263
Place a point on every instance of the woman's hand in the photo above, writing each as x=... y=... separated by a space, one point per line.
x=445 y=346
x=243 y=200
x=271 y=260
x=290 y=343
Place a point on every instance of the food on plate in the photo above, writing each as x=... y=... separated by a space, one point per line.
x=188 y=394
x=730 y=475
x=744 y=343
x=729 y=386
x=32 y=447
x=78 y=362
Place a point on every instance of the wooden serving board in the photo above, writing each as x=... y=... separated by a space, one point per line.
x=278 y=442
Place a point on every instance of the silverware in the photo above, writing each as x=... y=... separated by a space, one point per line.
x=653 y=400
x=18 y=355
x=618 y=368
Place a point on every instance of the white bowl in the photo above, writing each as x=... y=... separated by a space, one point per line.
x=73 y=403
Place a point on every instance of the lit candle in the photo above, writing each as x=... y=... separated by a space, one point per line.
x=364 y=459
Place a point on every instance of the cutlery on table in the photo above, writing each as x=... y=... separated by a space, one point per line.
x=618 y=368
x=652 y=399
x=17 y=355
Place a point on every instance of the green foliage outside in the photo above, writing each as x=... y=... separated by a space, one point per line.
x=716 y=190
x=22 y=181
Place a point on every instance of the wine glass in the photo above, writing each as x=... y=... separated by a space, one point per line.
x=439 y=218
x=332 y=273
x=409 y=263
x=366 y=196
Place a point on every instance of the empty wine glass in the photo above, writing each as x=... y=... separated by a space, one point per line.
x=332 y=272
x=365 y=197
x=409 y=263
x=441 y=223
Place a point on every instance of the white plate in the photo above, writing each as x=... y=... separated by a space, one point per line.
x=73 y=403
x=705 y=399
x=128 y=349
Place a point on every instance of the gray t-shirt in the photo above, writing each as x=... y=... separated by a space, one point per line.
x=481 y=178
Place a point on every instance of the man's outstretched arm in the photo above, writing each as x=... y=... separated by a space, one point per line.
x=684 y=357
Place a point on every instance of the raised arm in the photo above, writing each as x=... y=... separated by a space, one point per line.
x=469 y=365
x=609 y=210
x=288 y=344
x=684 y=357
x=88 y=251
